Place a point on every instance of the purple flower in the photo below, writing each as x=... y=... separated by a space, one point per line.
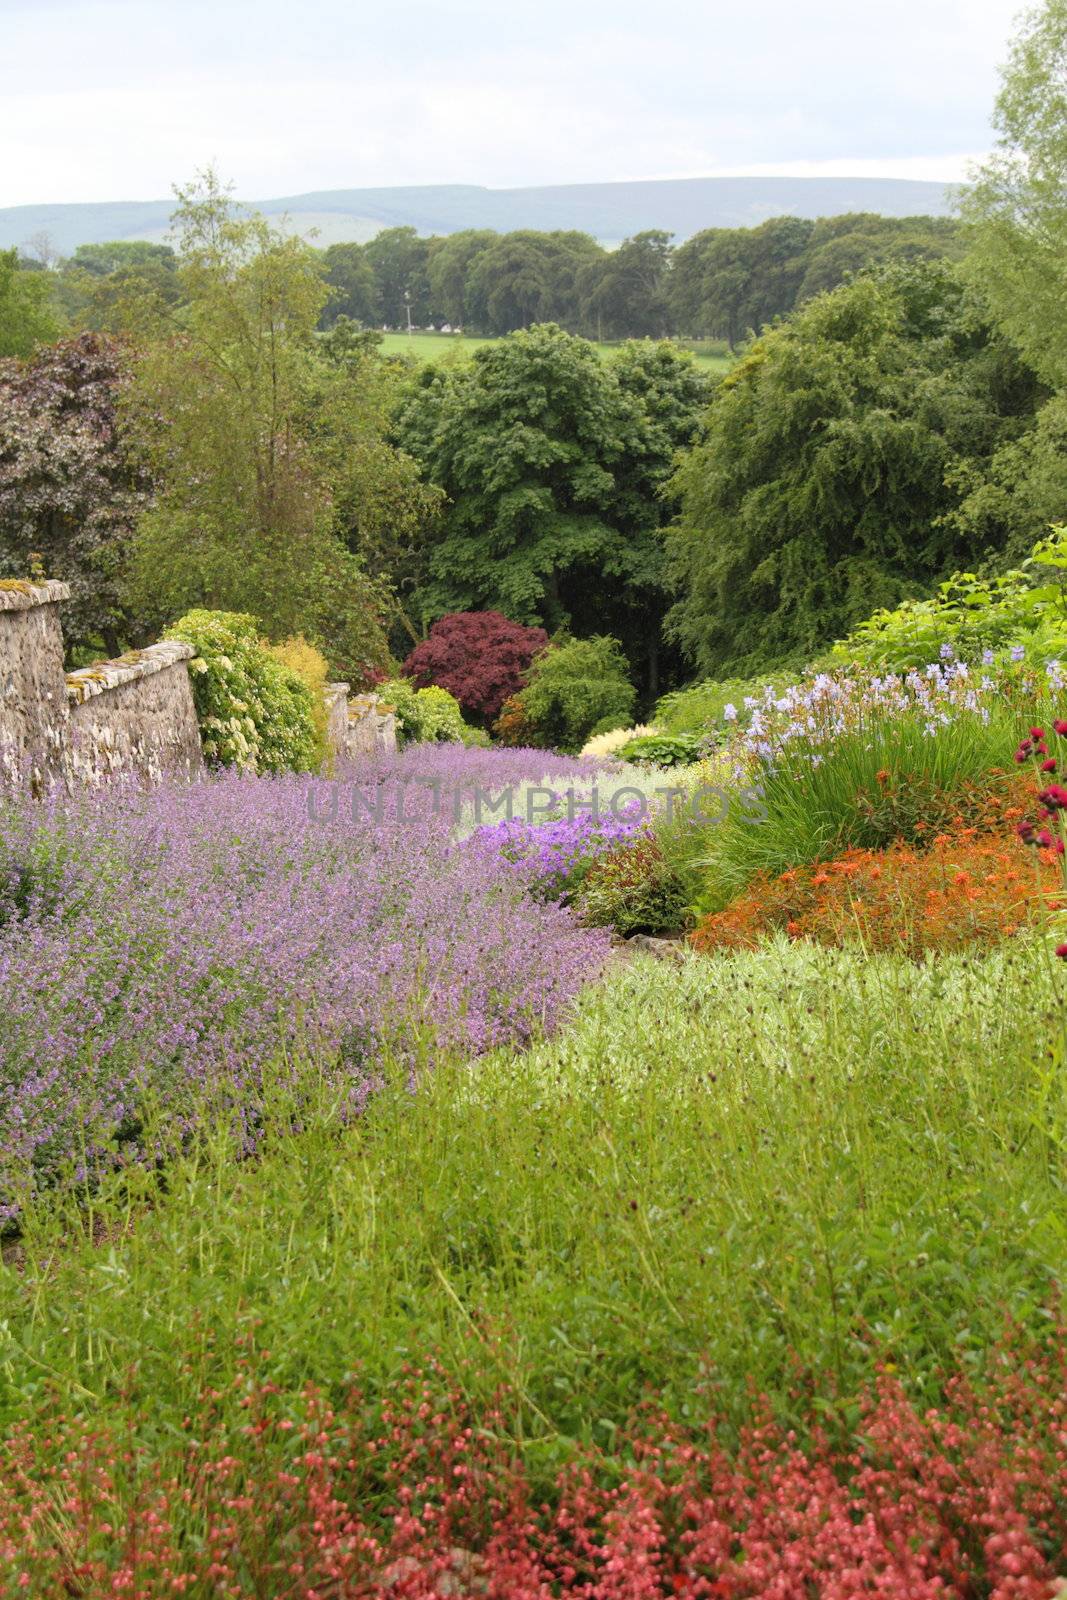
x=165 y=957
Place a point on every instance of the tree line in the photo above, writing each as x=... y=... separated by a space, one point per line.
x=235 y=443
x=723 y=283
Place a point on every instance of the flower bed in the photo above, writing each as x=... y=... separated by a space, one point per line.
x=424 y=1499
x=165 y=952
x=966 y=889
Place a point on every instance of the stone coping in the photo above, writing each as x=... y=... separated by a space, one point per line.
x=87 y=681
x=19 y=594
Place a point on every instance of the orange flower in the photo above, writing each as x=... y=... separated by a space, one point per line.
x=895 y=899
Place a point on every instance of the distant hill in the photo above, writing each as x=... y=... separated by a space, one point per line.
x=609 y=211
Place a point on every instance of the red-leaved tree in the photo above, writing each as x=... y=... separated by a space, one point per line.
x=479 y=656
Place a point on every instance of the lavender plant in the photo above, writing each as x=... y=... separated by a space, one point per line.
x=163 y=955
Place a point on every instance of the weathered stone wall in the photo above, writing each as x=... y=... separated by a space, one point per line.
x=129 y=718
x=337 y=722
x=134 y=717
x=33 y=696
x=371 y=731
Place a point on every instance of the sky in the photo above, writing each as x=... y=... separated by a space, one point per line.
x=120 y=99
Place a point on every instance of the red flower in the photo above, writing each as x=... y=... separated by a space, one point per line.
x=1049 y=765
x=1061 y=951
x=1060 y=727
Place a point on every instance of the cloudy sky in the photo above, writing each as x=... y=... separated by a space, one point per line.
x=117 y=99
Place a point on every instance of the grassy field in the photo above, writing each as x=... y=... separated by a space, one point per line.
x=436 y=346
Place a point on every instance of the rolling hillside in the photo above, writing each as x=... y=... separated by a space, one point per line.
x=610 y=211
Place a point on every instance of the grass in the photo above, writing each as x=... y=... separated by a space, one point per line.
x=725 y=1173
x=439 y=346
x=818 y=808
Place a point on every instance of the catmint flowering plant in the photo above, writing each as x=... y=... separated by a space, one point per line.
x=162 y=954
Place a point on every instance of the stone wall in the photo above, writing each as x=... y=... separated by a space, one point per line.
x=129 y=718
x=135 y=716
x=371 y=730
x=33 y=690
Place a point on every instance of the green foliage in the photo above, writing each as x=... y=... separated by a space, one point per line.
x=26 y=317
x=730 y=282
x=254 y=711
x=633 y=889
x=398 y=258
x=814 y=810
x=1018 y=204
x=850 y=1161
x=624 y=294
x=554 y=464
x=426 y=714
x=823 y=484
x=970 y=615
x=664 y=749
x=574 y=686
x=700 y=707
x=353 y=290
x=244 y=427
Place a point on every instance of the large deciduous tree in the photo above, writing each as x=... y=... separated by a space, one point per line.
x=624 y=294
x=398 y=259
x=554 y=463
x=225 y=410
x=352 y=284
x=1018 y=201
x=26 y=316
x=827 y=480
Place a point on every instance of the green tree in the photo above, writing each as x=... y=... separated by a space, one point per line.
x=244 y=518
x=122 y=255
x=572 y=686
x=1017 y=203
x=398 y=258
x=839 y=247
x=727 y=282
x=554 y=463
x=126 y=286
x=823 y=485
x=525 y=440
x=352 y=284
x=670 y=392
x=26 y=316
x=623 y=295
x=526 y=277
x=449 y=266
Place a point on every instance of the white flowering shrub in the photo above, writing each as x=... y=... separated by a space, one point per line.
x=603 y=745
x=255 y=712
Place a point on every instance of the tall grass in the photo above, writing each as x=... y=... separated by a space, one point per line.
x=820 y=800
x=725 y=1173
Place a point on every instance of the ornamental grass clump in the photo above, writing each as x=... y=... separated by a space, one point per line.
x=855 y=763
x=164 y=957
